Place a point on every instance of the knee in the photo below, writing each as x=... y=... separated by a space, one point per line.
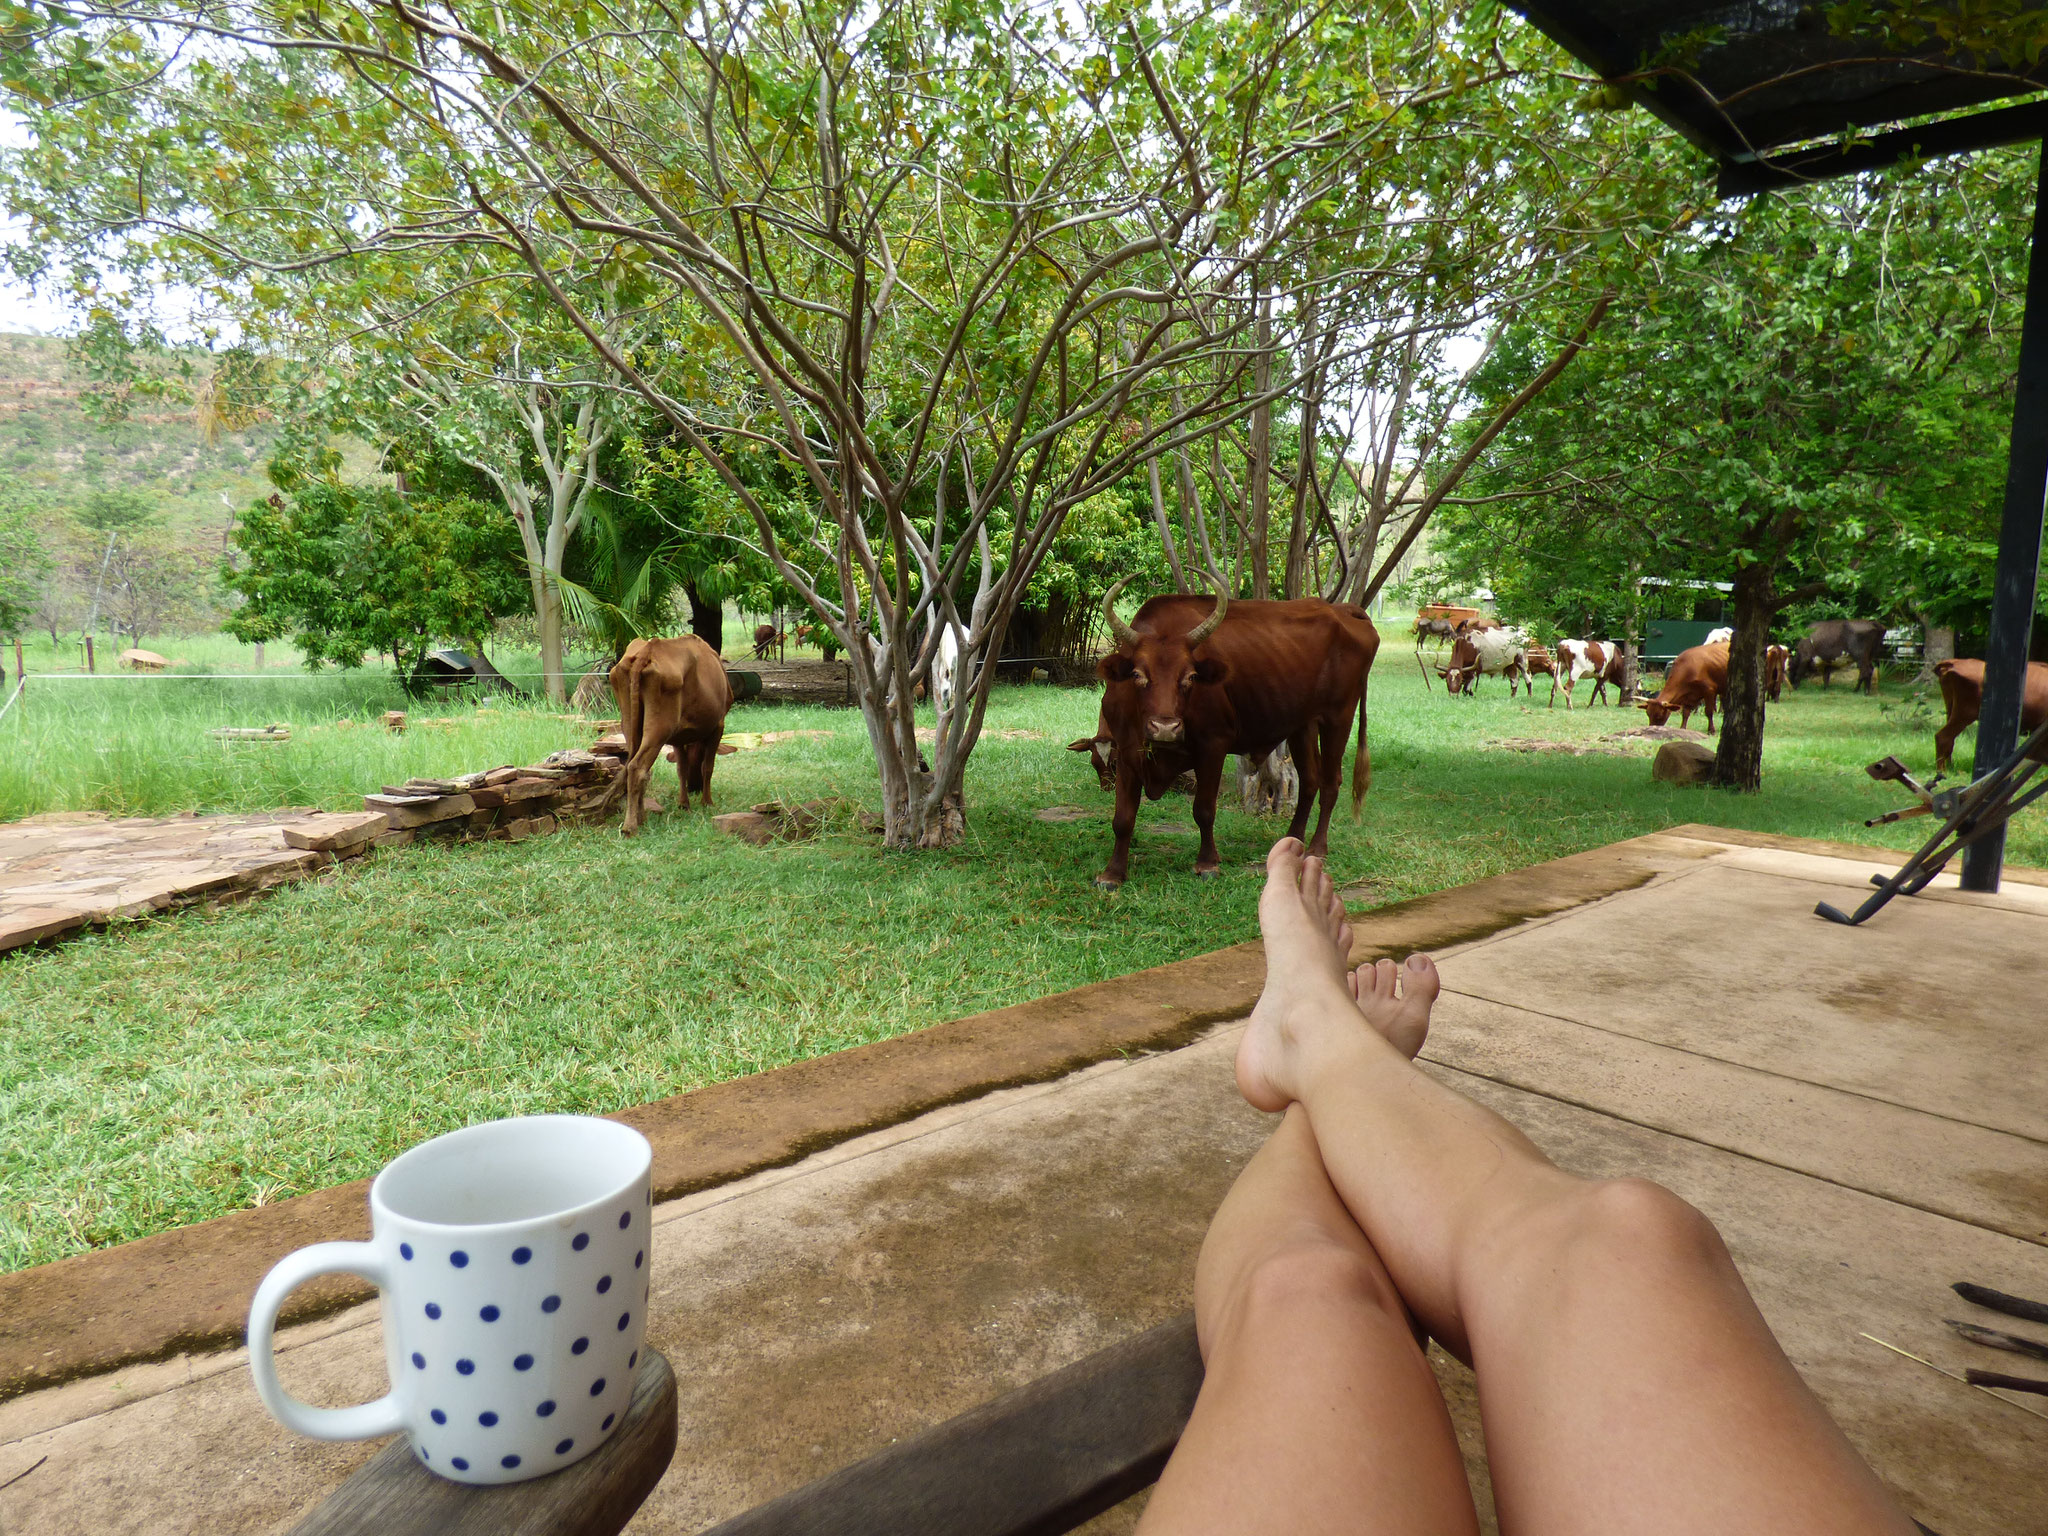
x=1310 y=1276
x=1636 y=1223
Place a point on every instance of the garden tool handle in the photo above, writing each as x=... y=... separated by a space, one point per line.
x=365 y=1420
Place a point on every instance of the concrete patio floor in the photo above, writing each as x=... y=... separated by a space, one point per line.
x=1858 y=1110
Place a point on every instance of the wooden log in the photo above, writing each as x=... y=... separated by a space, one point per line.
x=395 y=1496
x=1998 y=1301
x=419 y=810
x=1040 y=1460
x=250 y=733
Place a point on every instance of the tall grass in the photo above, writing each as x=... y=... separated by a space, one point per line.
x=171 y=1070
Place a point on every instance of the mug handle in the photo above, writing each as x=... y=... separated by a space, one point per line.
x=365 y=1420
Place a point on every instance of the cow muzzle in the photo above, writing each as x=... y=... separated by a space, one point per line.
x=1165 y=732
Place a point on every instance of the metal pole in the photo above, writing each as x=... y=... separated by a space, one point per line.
x=2019 y=547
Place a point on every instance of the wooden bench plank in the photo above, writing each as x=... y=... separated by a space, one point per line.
x=393 y=1495
x=1034 y=1462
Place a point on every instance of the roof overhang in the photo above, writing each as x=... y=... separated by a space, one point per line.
x=1746 y=80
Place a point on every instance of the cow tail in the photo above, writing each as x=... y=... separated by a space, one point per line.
x=1361 y=766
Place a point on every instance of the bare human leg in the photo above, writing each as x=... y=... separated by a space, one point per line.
x=1626 y=1380
x=1318 y=1412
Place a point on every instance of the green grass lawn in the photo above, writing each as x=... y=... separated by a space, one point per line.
x=168 y=1071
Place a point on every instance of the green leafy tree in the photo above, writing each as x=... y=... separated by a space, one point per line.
x=347 y=570
x=1761 y=411
x=25 y=564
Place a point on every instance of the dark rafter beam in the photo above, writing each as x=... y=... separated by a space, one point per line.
x=1950 y=136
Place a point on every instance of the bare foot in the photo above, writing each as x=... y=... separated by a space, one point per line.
x=1402 y=1018
x=1307 y=943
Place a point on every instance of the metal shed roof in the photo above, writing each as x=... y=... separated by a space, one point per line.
x=1744 y=79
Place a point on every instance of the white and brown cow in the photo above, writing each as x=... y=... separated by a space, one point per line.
x=1476 y=653
x=1576 y=659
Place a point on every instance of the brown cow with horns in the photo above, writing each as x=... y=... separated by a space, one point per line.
x=1194 y=679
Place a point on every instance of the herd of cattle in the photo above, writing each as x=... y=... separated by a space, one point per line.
x=1191 y=681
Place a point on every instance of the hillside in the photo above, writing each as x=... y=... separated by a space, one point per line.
x=49 y=446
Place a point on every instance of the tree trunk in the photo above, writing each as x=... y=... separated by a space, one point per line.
x=1739 y=761
x=551 y=643
x=1258 y=469
x=707 y=619
x=1938 y=643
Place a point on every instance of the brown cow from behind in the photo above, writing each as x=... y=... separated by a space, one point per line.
x=1697 y=680
x=670 y=693
x=1962 y=690
x=1775 y=659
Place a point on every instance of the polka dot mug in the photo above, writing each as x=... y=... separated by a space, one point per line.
x=512 y=1261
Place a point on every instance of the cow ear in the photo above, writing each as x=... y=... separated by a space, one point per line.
x=1116 y=667
x=1209 y=671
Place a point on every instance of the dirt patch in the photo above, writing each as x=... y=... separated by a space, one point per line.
x=1569 y=748
x=927 y=733
x=1063 y=813
x=1658 y=733
x=750 y=741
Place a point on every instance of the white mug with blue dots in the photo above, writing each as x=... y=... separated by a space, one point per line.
x=512 y=1262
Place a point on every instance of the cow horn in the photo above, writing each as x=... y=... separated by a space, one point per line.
x=1207 y=627
x=1125 y=635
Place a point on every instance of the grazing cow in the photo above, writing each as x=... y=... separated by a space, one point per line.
x=1428 y=625
x=1962 y=690
x=1832 y=641
x=1101 y=750
x=670 y=693
x=1775 y=657
x=1194 y=679
x=1697 y=680
x=767 y=638
x=1598 y=659
x=944 y=665
x=1722 y=636
x=1482 y=651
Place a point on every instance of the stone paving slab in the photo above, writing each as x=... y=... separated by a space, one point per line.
x=64 y=872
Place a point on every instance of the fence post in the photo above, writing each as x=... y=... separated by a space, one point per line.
x=89 y=666
x=20 y=668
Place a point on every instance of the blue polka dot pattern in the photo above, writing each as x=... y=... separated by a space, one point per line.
x=521 y=1255
x=405 y=1252
x=579 y=1346
x=564 y=1447
x=582 y=1241
x=607 y=1424
x=459 y=1259
x=624 y=1318
x=459 y=1464
x=419 y=1361
x=633 y=1359
x=487 y=1418
x=546 y=1408
x=508 y=1461
x=604 y=1284
x=423 y=1454
x=638 y=1257
x=434 y=1311
x=464 y=1366
x=440 y=1417
x=625 y=1220
x=489 y=1314
x=550 y=1303
x=522 y=1363
x=597 y=1387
